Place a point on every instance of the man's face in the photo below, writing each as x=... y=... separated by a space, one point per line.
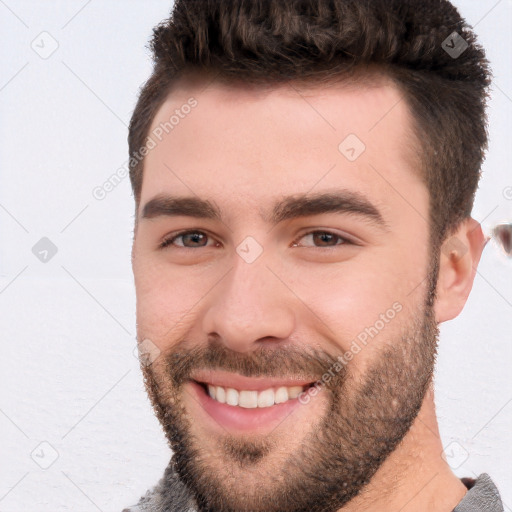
x=275 y=286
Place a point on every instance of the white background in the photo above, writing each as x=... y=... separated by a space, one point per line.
x=68 y=376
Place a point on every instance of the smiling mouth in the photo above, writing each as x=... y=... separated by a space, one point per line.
x=251 y=399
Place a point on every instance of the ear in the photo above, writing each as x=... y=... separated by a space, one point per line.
x=459 y=257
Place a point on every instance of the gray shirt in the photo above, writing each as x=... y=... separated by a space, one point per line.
x=481 y=496
x=171 y=495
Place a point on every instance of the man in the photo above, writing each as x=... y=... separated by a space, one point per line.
x=304 y=174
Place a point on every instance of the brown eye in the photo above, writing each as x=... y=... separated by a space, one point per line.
x=189 y=240
x=323 y=239
x=326 y=239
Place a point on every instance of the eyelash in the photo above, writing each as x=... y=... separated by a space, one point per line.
x=167 y=241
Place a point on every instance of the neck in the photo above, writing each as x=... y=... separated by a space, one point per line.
x=415 y=476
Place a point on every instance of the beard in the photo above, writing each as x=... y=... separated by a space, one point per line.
x=365 y=420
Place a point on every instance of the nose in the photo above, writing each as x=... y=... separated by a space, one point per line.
x=249 y=305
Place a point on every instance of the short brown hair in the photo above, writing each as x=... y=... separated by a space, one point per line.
x=276 y=41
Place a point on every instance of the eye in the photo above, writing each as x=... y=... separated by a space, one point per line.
x=196 y=239
x=193 y=238
x=325 y=239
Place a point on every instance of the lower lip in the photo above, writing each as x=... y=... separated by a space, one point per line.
x=235 y=418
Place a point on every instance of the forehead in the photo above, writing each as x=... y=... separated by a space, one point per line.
x=252 y=144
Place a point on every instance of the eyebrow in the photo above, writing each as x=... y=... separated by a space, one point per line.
x=286 y=208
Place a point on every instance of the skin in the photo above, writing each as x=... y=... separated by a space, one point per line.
x=243 y=148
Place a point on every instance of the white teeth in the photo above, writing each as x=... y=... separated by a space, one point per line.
x=231 y=396
x=266 y=398
x=248 y=399
x=253 y=399
x=220 y=395
x=281 y=395
x=294 y=391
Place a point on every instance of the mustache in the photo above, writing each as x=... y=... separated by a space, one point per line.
x=290 y=361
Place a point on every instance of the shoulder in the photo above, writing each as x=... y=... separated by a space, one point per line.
x=169 y=495
x=482 y=496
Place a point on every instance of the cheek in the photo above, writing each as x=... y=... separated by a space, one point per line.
x=160 y=304
x=168 y=300
x=367 y=299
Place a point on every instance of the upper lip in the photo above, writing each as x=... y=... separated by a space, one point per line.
x=236 y=381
